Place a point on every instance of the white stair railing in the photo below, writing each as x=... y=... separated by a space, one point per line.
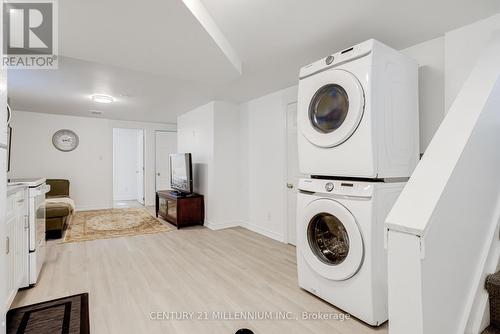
x=441 y=230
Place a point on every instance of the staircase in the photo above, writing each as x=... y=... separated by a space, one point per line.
x=442 y=235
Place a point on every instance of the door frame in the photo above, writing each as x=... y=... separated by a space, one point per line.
x=143 y=160
x=143 y=167
x=155 y=171
x=286 y=229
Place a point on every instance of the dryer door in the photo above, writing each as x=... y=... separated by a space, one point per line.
x=331 y=105
x=330 y=239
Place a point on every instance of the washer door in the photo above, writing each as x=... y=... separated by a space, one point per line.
x=330 y=240
x=332 y=108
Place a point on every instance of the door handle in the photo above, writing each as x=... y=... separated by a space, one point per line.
x=9 y=113
x=158 y=174
x=289 y=185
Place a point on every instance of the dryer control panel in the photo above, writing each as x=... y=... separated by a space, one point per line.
x=355 y=52
x=337 y=187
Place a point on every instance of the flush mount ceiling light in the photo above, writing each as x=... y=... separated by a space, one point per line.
x=102 y=98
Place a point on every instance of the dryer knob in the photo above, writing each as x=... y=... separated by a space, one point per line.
x=329 y=186
x=329 y=60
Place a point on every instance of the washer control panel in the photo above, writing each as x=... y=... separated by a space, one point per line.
x=338 y=187
x=329 y=186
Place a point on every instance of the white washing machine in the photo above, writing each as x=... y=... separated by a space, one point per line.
x=340 y=244
x=358 y=114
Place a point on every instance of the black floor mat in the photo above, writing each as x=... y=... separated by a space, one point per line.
x=68 y=315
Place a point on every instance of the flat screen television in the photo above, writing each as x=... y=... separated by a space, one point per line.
x=181 y=173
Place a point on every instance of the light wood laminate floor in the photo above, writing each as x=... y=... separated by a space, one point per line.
x=188 y=270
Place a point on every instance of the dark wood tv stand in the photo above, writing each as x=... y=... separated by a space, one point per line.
x=180 y=209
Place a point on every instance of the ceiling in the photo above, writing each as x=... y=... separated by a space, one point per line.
x=139 y=96
x=160 y=59
x=157 y=37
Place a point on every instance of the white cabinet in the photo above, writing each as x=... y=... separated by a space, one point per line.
x=3 y=176
x=3 y=106
x=16 y=242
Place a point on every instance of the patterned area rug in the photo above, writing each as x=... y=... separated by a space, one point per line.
x=112 y=223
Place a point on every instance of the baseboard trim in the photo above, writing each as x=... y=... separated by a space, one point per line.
x=265 y=232
x=220 y=226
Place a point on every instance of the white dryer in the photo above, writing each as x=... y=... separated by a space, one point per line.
x=340 y=243
x=358 y=114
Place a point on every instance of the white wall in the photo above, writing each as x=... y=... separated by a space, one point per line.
x=227 y=210
x=263 y=143
x=125 y=163
x=430 y=58
x=211 y=134
x=442 y=71
x=462 y=49
x=263 y=122
x=90 y=167
x=195 y=135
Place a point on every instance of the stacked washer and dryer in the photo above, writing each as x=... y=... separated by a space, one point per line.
x=358 y=140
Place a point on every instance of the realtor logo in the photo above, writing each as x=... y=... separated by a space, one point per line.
x=30 y=34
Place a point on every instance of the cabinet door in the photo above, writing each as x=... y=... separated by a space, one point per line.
x=16 y=244
x=3 y=104
x=172 y=209
x=162 y=207
x=22 y=241
x=10 y=273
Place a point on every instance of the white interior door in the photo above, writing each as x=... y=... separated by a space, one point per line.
x=125 y=165
x=293 y=173
x=166 y=144
x=140 y=166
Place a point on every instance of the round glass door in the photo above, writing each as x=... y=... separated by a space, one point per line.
x=328 y=109
x=328 y=239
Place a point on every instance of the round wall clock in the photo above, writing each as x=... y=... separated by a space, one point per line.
x=65 y=140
